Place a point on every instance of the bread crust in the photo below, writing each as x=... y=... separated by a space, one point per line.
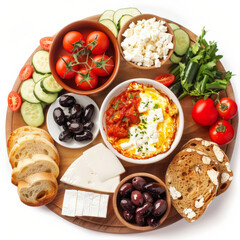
x=41 y=196
x=218 y=155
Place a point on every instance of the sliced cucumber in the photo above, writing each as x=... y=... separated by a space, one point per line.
x=32 y=114
x=43 y=104
x=50 y=85
x=175 y=59
x=123 y=20
x=38 y=76
x=110 y=25
x=40 y=62
x=26 y=91
x=108 y=14
x=125 y=11
x=182 y=42
x=174 y=26
x=42 y=96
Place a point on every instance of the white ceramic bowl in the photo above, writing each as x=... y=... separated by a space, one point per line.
x=121 y=88
x=55 y=129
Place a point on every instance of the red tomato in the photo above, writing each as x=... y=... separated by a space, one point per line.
x=73 y=37
x=86 y=80
x=103 y=65
x=204 y=112
x=97 y=42
x=14 y=101
x=63 y=64
x=227 y=108
x=26 y=72
x=222 y=132
x=166 y=79
x=46 y=43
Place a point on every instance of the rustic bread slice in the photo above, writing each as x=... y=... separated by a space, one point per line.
x=38 y=163
x=28 y=145
x=217 y=154
x=38 y=189
x=192 y=184
x=26 y=130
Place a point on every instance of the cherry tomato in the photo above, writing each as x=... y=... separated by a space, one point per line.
x=222 y=132
x=227 y=108
x=97 y=42
x=14 y=101
x=103 y=65
x=204 y=112
x=63 y=64
x=86 y=80
x=166 y=79
x=46 y=43
x=26 y=72
x=72 y=37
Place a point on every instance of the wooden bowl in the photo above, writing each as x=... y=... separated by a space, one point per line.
x=135 y=19
x=57 y=50
x=116 y=199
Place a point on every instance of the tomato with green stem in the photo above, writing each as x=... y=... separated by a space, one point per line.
x=227 y=108
x=222 y=132
x=46 y=43
x=14 y=101
x=86 y=79
x=26 y=72
x=102 y=65
x=73 y=41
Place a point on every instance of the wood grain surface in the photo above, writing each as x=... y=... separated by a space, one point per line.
x=111 y=224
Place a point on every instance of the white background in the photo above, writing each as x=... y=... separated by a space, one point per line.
x=24 y=22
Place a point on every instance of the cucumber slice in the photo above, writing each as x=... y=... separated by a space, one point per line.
x=40 y=62
x=174 y=26
x=108 y=14
x=123 y=20
x=175 y=59
x=125 y=11
x=182 y=42
x=50 y=85
x=26 y=91
x=43 y=104
x=42 y=96
x=32 y=114
x=38 y=76
x=110 y=25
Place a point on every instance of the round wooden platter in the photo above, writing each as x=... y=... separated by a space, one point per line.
x=111 y=224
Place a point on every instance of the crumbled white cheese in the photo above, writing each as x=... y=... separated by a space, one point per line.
x=224 y=177
x=189 y=213
x=199 y=202
x=213 y=175
x=218 y=153
x=206 y=143
x=174 y=193
x=146 y=42
x=227 y=164
x=190 y=150
x=201 y=153
x=206 y=160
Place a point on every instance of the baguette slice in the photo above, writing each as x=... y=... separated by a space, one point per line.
x=218 y=155
x=28 y=145
x=26 y=130
x=38 y=189
x=38 y=163
x=192 y=184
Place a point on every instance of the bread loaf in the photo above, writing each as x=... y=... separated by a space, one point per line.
x=38 y=163
x=38 y=189
x=218 y=155
x=192 y=183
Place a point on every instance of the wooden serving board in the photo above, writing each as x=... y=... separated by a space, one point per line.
x=111 y=224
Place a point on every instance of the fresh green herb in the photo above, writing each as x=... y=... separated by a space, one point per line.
x=115 y=106
x=137 y=95
x=143 y=121
x=131 y=96
x=124 y=119
x=156 y=106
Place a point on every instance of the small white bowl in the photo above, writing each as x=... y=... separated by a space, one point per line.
x=54 y=129
x=121 y=88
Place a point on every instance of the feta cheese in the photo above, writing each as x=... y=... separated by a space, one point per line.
x=206 y=160
x=213 y=175
x=218 y=153
x=174 y=193
x=224 y=177
x=199 y=202
x=189 y=213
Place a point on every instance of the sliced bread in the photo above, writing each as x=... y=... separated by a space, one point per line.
x=218 y=155
x=26 y=130
x=38 y=189
x=38 y=163
x=28 y=145
x=192 y=183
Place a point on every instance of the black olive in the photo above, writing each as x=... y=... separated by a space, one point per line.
x=88 y=112
x=59 y=116
x=88 y=125
x=76 y=127
x=67 y=101
x=65 y=135
x=76 y=111
x=86 y=135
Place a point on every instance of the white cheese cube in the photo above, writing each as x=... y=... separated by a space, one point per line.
x=157 y=63
x=69 y=203
x=103 y=206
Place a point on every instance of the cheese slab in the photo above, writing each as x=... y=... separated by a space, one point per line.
x=103 y=162
x=103 y=206
x=69 y=203
x=79 y=174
